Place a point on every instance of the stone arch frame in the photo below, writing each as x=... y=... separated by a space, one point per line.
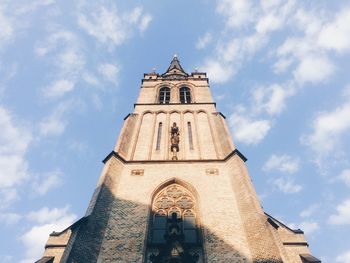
x=188 y=111
x=174 y=111
x=146 y=112
x=202 y=111
x=164 y=85
x=158 y=93
x=188 y=85
x=153 y=195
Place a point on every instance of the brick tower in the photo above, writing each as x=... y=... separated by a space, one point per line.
x=176 y=189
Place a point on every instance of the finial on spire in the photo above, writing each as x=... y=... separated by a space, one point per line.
x=175 y=55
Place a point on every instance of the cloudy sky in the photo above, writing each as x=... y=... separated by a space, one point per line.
x=70 y=72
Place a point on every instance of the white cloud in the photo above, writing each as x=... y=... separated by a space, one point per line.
x=342 y=216
x=251 y=25
x=204 y=41
x=309 y=211
x=238 y=13
x=247 y=130
x=46 y=215
x=218 y=72
x=267 y=23
x=110 y=27
x=287 y=185
x=33 y=5
x=281 y=65
x=109 y=71
x=308 y=227
x=56 y=219
x=64 y=49
x=57 y=40
x=53 y=125
x=336 y=34
x=7 y=28
x=145 y=21
x=71 y=62
x=90 y=79
x=328 y=127
x=47 y=181
x=8 y=196
x=313 y=69
x=14 y=142
x=9 y=218
x=56 y=122
x=345 y=177
x=343 y=257
x=271 y=99
x=59 y=88
x=283 y=163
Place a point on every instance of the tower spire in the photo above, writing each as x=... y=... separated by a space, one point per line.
x=175 y=67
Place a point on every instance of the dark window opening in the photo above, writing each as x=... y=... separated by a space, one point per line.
x=185 y=95
x=159 y=135
x=164 y=95
x=190 y=139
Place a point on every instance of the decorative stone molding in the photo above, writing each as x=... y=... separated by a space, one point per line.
x=137 y=172
x=212 y=171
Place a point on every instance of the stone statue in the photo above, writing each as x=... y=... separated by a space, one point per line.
x=174 y=139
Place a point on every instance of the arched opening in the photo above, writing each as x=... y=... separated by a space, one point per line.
x=185 y=95
x=174 y=233
x=164 y=95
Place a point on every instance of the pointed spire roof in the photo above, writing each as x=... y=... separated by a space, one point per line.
x=175 y=68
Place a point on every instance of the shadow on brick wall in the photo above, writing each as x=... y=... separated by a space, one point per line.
x=115 y=231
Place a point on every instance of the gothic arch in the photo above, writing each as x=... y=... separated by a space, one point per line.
x=201 y=111
x=175 y=180
x=146 y=112
x=188 y=111
x=164 y=85
x=174 y=111
x=191 y=89
x=174 y=220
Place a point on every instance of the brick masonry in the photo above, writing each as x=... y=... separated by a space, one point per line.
x=234 y=227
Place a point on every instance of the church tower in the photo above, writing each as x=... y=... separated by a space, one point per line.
x=176 y=189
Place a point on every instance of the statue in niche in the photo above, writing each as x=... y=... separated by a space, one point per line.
x=174 y=250
x=174 y=139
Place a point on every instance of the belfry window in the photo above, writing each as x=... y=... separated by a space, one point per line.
x=185 y=95
x=164 y=95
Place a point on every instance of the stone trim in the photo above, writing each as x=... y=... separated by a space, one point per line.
x=295 y=231
x=116 y=155
x=55 y=246
x=174 y=103
x=73 y=226
x=295 y=244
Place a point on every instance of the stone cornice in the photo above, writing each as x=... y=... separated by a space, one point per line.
x=120 y=158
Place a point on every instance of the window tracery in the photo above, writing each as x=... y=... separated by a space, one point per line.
x=174 y=227
x=175 y=199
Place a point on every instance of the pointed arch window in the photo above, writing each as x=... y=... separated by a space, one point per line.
x=185 y=95
x=164 y=95
x=174 y=225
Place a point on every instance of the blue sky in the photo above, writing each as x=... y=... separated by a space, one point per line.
x=70 y=72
